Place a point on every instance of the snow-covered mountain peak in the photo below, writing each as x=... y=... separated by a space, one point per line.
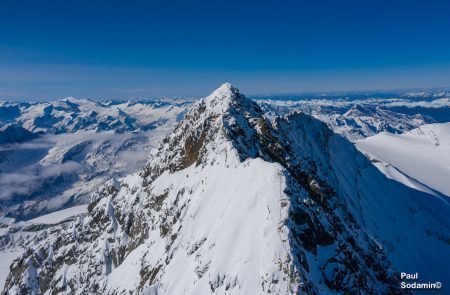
x=222 y=123
x=225 y=90
x=224 y=96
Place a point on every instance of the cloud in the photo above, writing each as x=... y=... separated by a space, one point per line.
x=343 y=102
x=31 y=178
x=133 y=160
x=31 y=145
x=28 y=167
x=437 y=103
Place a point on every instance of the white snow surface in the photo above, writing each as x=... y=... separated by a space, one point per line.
x=59 y=216
x=238 y=249
x=6 y=258
x=423 y=154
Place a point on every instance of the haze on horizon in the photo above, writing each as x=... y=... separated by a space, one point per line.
x=109 y=49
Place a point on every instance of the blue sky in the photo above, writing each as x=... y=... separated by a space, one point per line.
x=109 y=49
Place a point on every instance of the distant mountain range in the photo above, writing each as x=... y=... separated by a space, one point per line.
x=55 y=154
x=71 y=115
x=359 y=118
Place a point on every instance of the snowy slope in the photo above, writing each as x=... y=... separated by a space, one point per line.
x=6 y=258
x=423 y=154
x=14 y=235
x=242 y=249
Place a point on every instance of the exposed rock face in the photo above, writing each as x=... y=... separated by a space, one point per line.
x=235 y=204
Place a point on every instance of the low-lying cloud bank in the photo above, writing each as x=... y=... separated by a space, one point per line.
x=32 y=178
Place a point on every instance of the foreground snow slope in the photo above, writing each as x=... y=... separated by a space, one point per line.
x=235 y=204
x=225 y=243
x=423 y=154
x=13 y=235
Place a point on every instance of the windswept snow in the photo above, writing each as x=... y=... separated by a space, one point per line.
x=423 y=154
